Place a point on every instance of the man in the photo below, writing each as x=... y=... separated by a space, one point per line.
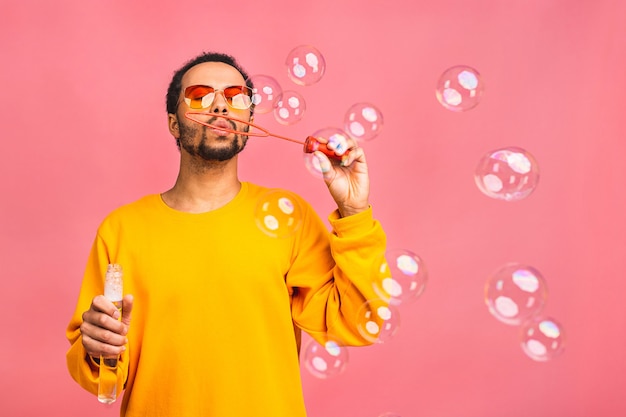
x=217 y=305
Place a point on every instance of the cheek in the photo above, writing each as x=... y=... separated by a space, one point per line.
x=246 y=120
x=188 y=128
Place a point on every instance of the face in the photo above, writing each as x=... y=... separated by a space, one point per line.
x=203 y=141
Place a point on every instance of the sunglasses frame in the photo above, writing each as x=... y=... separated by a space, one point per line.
x=243 y=89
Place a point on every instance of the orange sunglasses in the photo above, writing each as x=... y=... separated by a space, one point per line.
x=202 y=96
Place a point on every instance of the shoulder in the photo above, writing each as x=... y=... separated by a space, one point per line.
x=132 y=211
x=144 y=203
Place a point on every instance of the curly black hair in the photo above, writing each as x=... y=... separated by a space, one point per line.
x=173 y=91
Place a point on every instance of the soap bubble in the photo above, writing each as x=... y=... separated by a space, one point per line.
x=459 y=88
x=508 y=174
x=377 y=321
x=335 y=137
x=313 y=165
x=305 y=65
x=332 y=135
x=515 y=293
x=278 y=213
x=400 y=277
x=325 y=361
x=289 y=108
x=265 y=93
x=542 y=339
x=363 y=121
x=389 y=414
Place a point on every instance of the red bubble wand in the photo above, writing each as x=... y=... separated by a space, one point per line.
x=311 y=144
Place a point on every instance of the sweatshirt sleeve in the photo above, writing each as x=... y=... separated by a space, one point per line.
x=332 y=277
x=80 y=365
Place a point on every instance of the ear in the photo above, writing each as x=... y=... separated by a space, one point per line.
x=172 y=124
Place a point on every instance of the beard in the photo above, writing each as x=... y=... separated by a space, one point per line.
x=229 y=148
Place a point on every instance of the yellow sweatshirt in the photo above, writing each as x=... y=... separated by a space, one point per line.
x=219 y=304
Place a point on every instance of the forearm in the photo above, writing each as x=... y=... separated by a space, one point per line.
x=358 y=247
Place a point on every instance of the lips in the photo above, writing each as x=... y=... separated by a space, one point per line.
x=217 y=124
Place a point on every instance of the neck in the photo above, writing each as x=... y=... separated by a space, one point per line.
x=202 y=187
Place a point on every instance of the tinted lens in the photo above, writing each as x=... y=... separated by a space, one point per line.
x=239 y=97
x=199 y=96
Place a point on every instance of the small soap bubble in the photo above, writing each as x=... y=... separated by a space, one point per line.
x=389 y=414
x=363 y=121
x=265 y=93
x=459 y=88
x=508 y=174
x=305 y=65
x=289 y=108
x=542 y=338
x=515 y=293
x=377 y=321
x=325 y=361
x=400 y=276
x=278 y=213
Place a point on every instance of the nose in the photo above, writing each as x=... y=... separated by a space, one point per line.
x=219 y=104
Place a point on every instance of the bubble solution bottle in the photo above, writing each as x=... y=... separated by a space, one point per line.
x=311 y=144
x=107 y=381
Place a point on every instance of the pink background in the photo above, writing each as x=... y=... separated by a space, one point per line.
x=83 y=86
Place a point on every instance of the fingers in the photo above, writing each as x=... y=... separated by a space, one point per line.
x=103 y=332
x=356 y=154
x=347 y=152
x=347 y=148
x=103 y=313
x=99 y=342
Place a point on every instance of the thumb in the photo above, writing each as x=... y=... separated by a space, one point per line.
x=127 y=308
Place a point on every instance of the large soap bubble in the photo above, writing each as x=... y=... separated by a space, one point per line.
x=515 y=293
x=459 y=88
x=265 y=93
x=508 y=174
x=305 y=65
